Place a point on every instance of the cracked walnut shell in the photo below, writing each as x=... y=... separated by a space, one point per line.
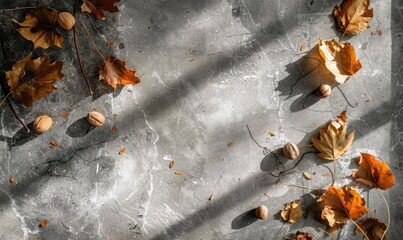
x=95 y=119
x=42 y=124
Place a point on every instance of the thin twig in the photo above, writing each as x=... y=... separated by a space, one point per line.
x=362 y=87
x=87 y=81
x=387 y=207
x=298 y=186
x=17 y=8
x=362 y=231
x=5 y=98
x=16 y=115
x=92 y=41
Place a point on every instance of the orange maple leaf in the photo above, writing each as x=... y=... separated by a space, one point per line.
x=374 y=173
x=45 y=73
x=114 y=72
x=98 y=7
x=341 y=204
x=40 y=27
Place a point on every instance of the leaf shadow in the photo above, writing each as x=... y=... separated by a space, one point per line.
x=243 y=220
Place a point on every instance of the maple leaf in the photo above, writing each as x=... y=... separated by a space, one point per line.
x=374 y=173
x=340 y=59
x=98 y=7
x=292 y=211
x=372 y=228
x=40 y=27
x=332 y=141
x=352 y=16
x=341 y=204
x=45 y=73
x=114 y=72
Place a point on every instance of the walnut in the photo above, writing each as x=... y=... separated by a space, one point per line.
x=42 y=124
x=291 y=151
x=96 y=119
x=66 y=20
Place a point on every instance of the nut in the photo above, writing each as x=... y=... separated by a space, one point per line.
x=291 y=151
x=42 y=124
x=323 y=91
x=261 y=212
x=66 y=20
x=96 y=119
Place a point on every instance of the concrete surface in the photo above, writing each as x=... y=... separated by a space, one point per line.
x=208 y=68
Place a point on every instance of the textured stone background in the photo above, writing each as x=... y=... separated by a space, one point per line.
x=208 y=68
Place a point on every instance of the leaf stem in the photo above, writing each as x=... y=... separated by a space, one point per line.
x=362 y=87
x=334 y=175
x=17 y=8
x=5 y=98
x=362 y=231
x=387 y=207
x=90 y=38
x=79 y=60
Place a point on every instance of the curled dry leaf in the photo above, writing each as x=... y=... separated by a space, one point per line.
x=114 y=72
x=171 y=164
x=98 y=7
x=332 y=141
x=372 y=228
x=292 y=211
x=43 y=223
x=374 y=173
x=114 y=129
x=307 y=175
x=340 y=59
x=40 y=27
x=123 y=150
x=12 y=179
x=179 y=173
x=353 y=16
x=341 y=204
x=45 y=73
x=54 y=143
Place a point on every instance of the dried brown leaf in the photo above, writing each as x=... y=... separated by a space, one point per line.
x=340 y=59
x=372 y=228
x=292 y=211
x=123 y=150
x=45 y=73
x=40 y=27
x=98 y=7
x=353 y=16
x=332 y=141
x=179 y=173
x=171 y=164
x=374 y=173
x=114 y=72
x=12 y=179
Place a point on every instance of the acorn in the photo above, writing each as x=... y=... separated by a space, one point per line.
x=66 y=20
x=324 y=91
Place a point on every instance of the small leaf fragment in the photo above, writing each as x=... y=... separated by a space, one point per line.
x=123 y=150
x=230 y=144
x=12 y=179
x=43 y=223
x=114 y=130
x=179 y=173
x=171 y=164
x=292 y=211
x=307 y=175
x=271 y=134
x=211 y=198
x=54 y=143
x=98 y=7
x=302 y=47
x=65 y=114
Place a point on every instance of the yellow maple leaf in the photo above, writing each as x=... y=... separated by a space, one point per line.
x=332 y=141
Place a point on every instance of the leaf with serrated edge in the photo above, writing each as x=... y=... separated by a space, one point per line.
x=353 y=16
x=332 y=141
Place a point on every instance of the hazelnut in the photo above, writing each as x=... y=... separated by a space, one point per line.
x=291 y=151
x=261 y=212
x=323 y=91
x=96 y=119
x=42 y=124
x=66 y=20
